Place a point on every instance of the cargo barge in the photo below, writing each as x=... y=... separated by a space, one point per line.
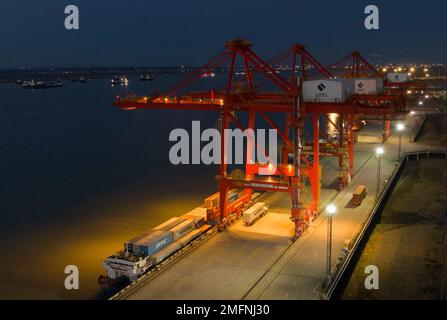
x=148 y=250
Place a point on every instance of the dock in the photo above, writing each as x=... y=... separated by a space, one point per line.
x=260 y=261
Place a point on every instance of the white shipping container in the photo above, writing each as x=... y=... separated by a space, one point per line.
x=183 y=228
x=200 y=212
x=199 y=221
x=169 y=224
x=254 y=212
x=368 y=86
x=397 y=77
x=327 y=90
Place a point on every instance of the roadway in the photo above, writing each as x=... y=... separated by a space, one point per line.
x=260 y=261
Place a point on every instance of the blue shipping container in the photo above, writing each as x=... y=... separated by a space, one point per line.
x=154 y=242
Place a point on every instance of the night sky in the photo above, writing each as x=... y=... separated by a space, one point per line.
x=176 y=32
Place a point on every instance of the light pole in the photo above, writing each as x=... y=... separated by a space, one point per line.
x=379 y=153
x=330 y=211
x=400 y=127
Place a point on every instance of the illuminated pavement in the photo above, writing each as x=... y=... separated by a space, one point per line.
x=260 y=262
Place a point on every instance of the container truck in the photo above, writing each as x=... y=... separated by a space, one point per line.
x=253 y=213
x=358 y=195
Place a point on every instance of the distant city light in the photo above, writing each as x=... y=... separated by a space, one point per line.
x=379 y=151
x=412 y=69
x=384 y=69
x=426 y=96
x=400 y=126
x=412 y=113
x=421 y=103
x=409 y=91
x=427 y=75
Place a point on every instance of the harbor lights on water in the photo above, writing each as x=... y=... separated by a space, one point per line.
x=330 y=211
x=400 y=127
x=379 y=153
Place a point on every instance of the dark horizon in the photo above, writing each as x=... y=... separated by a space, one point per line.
x=138 y=33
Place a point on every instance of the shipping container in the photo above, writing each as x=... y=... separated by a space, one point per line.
x=368 y=86
x=153 y=242
x=171 y=223
x=189 y=237
x=328 y=90
x=358 y=195
x=198 y=221
x=166 y=252
x=129 y=246
x=198 y=215
x=397 y=77
x=183 y=228
x=199 y=211
x=254 y=212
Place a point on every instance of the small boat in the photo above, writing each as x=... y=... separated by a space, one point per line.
x=119 y=80
x=209 y=74
x=52 y=84
x=33 y=84
x=84 y=79
x=19 y=82
x=146 y=77
x=41 y=84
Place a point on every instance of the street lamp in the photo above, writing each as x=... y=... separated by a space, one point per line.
x=379 y=153
x=330 y=211
x=400 y=127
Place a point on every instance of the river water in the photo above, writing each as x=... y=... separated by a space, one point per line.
x=79 y=177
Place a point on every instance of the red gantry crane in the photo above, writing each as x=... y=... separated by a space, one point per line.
x=284 y=101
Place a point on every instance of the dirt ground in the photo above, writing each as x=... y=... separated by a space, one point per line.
x=409 y=245
x=434 y=131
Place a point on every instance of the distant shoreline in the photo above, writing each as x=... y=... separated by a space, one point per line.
x=13 y=75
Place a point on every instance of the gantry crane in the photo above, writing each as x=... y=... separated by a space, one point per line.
x=284 y=100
